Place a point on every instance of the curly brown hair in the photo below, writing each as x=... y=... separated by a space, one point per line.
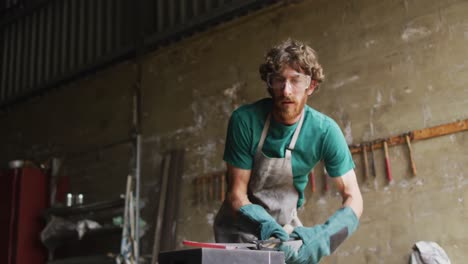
x=297 y=55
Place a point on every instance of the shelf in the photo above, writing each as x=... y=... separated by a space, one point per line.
x=62 y=239
x=100 y=259
x=84 y=209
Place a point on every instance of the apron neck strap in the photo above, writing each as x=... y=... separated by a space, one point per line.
x=264 y=133
x=267 y=126
x=296 y=133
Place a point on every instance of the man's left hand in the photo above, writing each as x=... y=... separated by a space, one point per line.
x=321 y=240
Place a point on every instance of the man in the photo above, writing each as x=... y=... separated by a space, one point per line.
x=271 y=146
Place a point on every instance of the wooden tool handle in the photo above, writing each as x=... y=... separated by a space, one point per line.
x=211 y=185
x=366 y=163
x=312 y=180
x=374 y=171
x=325 y=180
x=413 y=164
x=222 y=187
x=387 y=162
x=205 y=189
x=197 y=190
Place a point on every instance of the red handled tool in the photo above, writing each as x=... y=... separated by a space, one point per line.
x=325 y=180
x=312 y=180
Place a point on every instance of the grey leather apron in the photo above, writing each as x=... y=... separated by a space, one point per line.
x=271 y=186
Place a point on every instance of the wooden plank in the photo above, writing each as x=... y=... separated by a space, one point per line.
x=441 y=130
x=161 y=207
x=425 y=133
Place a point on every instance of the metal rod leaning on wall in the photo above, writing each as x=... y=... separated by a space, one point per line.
x=139 y=20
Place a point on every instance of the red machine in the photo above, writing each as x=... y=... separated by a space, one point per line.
x=23 y=197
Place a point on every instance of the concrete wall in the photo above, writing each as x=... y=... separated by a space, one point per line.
x=391 y=67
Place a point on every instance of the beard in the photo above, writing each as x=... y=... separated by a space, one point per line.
x=287 y=109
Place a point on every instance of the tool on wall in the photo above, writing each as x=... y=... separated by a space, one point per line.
x=312 y=180
x=408 y=143
x=209 y=181
x=205 y=189
x=199 y=189
x=325 y=180
x=374 y=173
x=365 y=163
x=387 y=162
x=222 y=188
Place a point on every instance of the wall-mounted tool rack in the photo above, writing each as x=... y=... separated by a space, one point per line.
x=405 y=138
x=210 y=187
x=421 y=134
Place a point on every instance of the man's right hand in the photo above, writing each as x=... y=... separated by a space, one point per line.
x=315 y=246
x=267 y=224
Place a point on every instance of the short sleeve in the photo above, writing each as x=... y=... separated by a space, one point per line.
x=335 y=151
x=238 y=143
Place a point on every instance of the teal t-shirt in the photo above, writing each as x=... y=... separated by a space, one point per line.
x=320 y=139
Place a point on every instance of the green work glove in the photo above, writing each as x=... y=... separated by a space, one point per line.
x=321 y=240
x=267 y=224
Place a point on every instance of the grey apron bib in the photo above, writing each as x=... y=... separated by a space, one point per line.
x=271 y=186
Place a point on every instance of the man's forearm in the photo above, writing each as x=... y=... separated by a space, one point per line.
x=349 y=189
x=237 y=200
x=238 y=184
x=355 y=202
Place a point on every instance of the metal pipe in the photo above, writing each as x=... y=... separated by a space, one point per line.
x=137 y=196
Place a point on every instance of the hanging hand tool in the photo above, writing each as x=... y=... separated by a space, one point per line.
x=203 y=188
x=373 y=160
x=325 y=180
x=198 y=190
x=387 y=162
x=413 y=165
x=366 y=163
x=312 y=180
x=222 y=187
x=211 y=183
x=206 y=188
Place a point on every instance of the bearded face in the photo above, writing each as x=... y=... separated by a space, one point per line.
x=289 y=91
x=288 y=109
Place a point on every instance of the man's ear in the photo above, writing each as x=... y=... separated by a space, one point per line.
x=312 y=86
